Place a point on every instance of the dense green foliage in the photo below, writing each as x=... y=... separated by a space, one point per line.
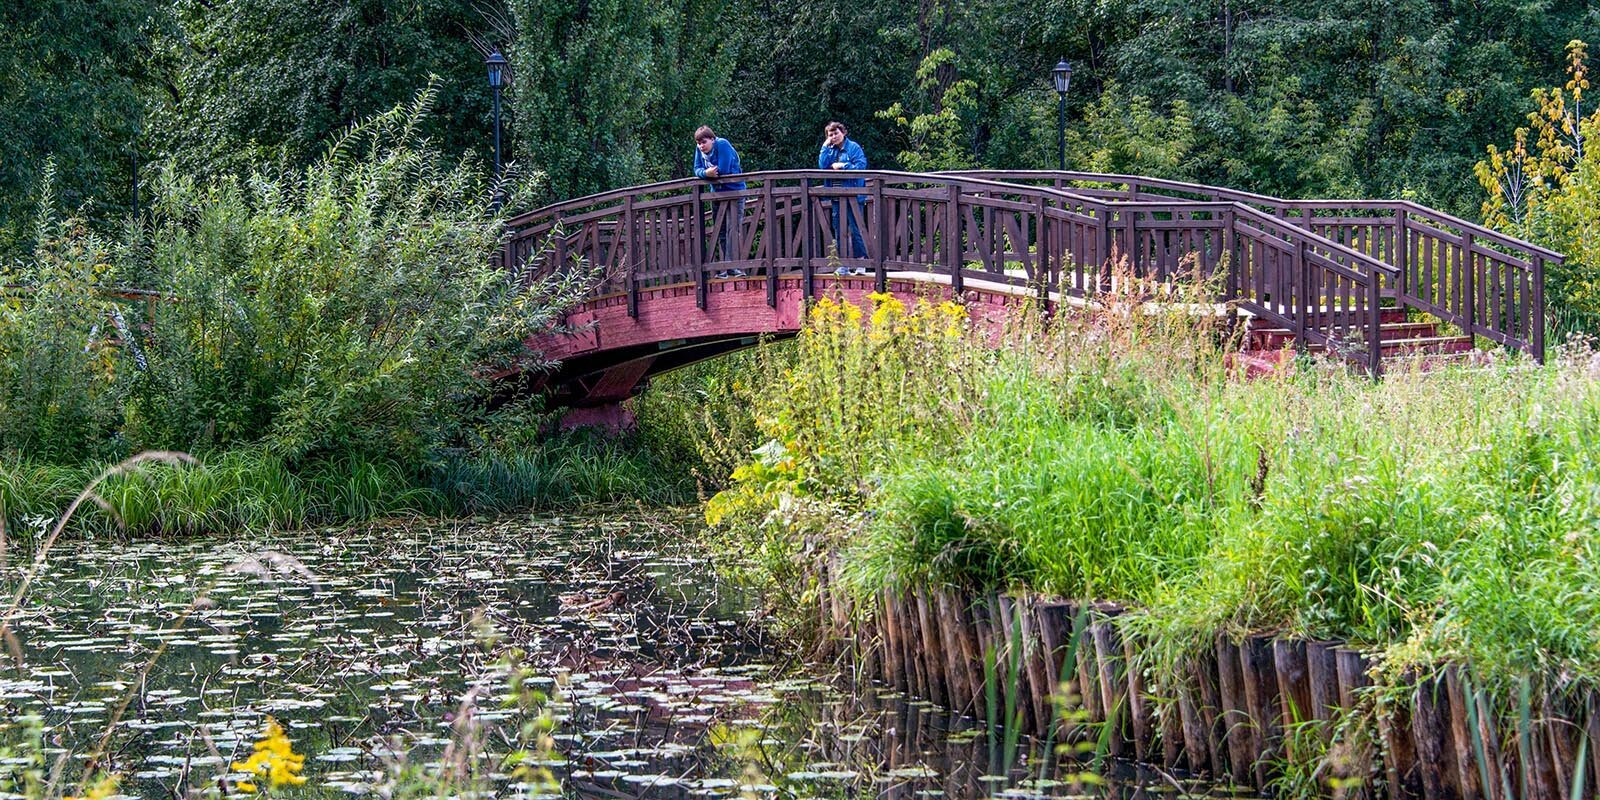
x=74 y=79
x=279 y=79
x=1303 y=98
x=1433 y=516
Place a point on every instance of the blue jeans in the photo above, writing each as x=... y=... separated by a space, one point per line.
x=858 y=248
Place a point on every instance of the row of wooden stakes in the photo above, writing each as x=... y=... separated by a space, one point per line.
x=1244 y=711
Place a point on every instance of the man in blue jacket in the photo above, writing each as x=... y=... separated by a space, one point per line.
x=841 y=152
x=715 y=160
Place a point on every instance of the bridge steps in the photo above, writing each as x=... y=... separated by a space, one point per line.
x=1269 y=350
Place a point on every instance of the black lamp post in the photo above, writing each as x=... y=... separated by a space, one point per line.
x=1062 y=75
x=497 y=70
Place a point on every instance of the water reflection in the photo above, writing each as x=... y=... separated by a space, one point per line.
x=364 y=642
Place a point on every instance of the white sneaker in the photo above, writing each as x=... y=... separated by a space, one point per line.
x=842 y=272
x=859 y=271
x=737 y=273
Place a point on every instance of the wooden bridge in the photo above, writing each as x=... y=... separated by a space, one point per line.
x=1339 y=276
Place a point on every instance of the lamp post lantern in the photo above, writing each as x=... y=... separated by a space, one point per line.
x=496 y=64
x=1062 y=76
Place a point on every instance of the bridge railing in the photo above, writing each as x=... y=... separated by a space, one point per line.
x=1483 y=281
x=1318 y=268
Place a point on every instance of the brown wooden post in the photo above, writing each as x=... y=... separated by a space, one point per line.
x=1134 y=251
x=1538 y=311
x=1230 y=242
x=769 y=236
x=1042 y=253
x=807 y=243
x=880 y=226
x=1402 y=249
x=1469 y=284
x=697 y=247
x=1108 y=241
x=1374 y=326
x=560 y=233
x=1300 y=296
x=630 y=267
x=952 y=243
x=1236 y=723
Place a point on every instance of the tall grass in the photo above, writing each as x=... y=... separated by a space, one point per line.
x=1111 y=454
x=257 y=490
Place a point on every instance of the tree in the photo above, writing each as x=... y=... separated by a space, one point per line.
x=73 y=75
x=608 y=92
x=281 y=79
x=1549 y=191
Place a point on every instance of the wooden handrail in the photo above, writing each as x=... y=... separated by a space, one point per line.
x=1003 y=226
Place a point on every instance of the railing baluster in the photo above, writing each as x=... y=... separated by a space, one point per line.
x=808 y=288
x=697 y=247
x=769 y=240
x=880 y=220
x=1041 y=254
x=1538 y=308
x=1229 y=241
x=1301 y=292
x=1374 y=327
x=630 y=268
x=952 y=242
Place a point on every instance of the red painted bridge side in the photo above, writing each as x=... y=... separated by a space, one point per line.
x=609 y=353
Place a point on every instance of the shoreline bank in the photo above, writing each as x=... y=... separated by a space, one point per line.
x=1265 y=712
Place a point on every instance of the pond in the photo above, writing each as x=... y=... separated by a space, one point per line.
x=407 y=659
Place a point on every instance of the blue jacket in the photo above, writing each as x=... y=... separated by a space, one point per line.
x=725 y=159
x=850 y=153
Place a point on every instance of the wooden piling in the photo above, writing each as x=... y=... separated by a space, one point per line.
x=1113 y=689
x=958 y=685
x=1292 y=665
x=931 y=650
x=1430 y=730
x=1140 y=718
x=1399 y=751
x=1041 y=680
x=1262 y=703
x=1235 y=718
x=1462 y=734
x=1209 y=698
x=894 y=658
x=1227 y=712
x=1322 y=674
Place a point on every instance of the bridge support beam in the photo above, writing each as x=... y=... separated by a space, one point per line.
x=617 y=383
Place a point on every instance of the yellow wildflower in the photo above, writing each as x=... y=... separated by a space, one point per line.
x=885 y=309
x=274 y=760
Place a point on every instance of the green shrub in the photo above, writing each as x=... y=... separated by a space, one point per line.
x=351 y=310
x=59 y=369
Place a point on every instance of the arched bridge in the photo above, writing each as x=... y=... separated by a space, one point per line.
x=1335 y=275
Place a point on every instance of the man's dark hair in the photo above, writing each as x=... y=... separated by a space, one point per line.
x=836 y=126
x=703 y=133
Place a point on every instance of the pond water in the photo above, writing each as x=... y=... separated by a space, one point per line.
x=603 y=647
